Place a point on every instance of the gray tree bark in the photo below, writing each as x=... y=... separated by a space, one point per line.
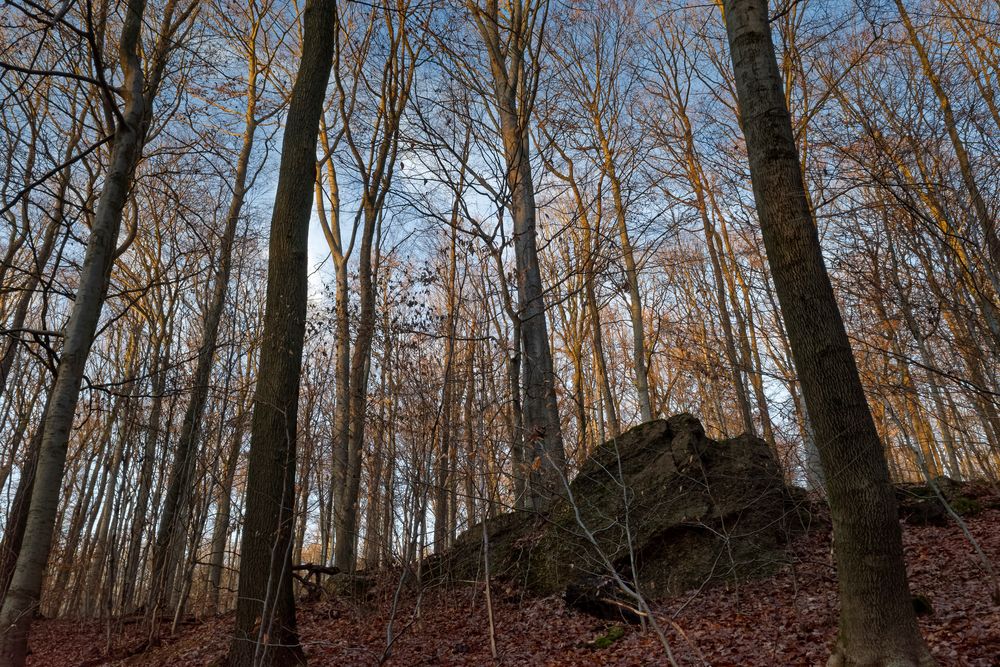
x=877 y=621
x=138 y=92
x=515 y=82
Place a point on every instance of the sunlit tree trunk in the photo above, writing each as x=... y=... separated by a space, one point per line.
x=515 y=82
x=139 y=90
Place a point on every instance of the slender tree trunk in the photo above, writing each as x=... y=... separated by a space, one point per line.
x=373 y=518
x=926 y=359
x=170 y=535
x=78 y=336
x=220 y=530
x=444 y=471
x=632 y=276
x=518 y=454
x=877 y=621
x=140 y=518
x=265 y=631
x=342 y=406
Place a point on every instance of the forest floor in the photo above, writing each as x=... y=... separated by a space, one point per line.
x=788 y=619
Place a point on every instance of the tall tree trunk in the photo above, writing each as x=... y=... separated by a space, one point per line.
x=877 y=621
x=444 y=471
x=78 y=337
x=541 y=414
x=345 y=551
x=265 y=631
x=510 y=41
x=342 y=323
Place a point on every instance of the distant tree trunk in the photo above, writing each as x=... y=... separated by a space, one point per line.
x=927 y=362
x=597 y=338
x=346 y=503
x=220 y=530
x=373 y=528
x=265 y=632
x=388 y=516
x=444 y=472
x=515 y=415
x=342 y=323
x=515 y=83
x=721 y=300
x=170 y=536
x=158 y=369
x=519 y=454
x=631 y=275
x=877 y=621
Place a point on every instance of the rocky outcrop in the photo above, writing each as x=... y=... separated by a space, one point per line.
x=661 y=502
x=920 y=504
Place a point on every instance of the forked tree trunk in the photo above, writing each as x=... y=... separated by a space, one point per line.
x=877 y=622
x=265 y=632
x=510 y=36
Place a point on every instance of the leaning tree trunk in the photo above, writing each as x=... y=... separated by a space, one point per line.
x=877 y=622
x=265 y=630
x=17 y=516
x=78 y=336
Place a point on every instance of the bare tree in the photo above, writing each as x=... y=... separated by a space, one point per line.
x=139 y=89
x=512 y=36
x=265 y=630
x=877 y=621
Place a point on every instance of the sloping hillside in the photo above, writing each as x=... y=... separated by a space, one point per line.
x=787 y=619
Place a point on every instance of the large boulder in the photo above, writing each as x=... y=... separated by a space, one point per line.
x=661 y=501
